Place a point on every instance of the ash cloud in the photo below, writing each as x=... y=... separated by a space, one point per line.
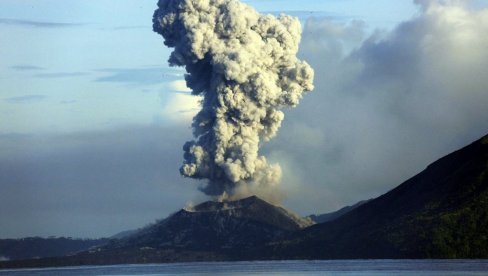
x=387 y=104
x=244 y=65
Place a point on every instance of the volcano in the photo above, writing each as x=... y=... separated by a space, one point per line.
x=210 y=231
x=215 y=225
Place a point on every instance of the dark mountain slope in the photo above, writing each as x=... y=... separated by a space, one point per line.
x=217 y=225
x=440 y=213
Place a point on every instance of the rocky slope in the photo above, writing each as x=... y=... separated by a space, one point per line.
x=217 y=225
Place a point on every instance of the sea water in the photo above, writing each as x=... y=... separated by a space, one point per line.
x=335 y=267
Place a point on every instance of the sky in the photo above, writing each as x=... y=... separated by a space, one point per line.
x=93 y=120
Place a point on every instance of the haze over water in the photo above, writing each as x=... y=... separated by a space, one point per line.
x=332 y=267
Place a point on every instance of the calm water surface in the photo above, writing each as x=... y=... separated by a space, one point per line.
x=336 y=267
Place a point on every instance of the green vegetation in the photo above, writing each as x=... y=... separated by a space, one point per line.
x=462 y=233
x=484 y=141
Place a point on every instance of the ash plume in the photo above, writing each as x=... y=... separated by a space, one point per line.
x=244 y=65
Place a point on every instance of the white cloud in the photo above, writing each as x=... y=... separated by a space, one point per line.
x=179 y=86
x=181 y=108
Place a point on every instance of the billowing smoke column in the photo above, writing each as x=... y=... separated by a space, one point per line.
x=244 y=65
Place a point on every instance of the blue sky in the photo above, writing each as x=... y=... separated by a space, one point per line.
x=64 y=62
x=92 y=119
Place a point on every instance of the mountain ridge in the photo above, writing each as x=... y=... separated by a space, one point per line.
x=37 y=247
x=326 y=217
x=442 y=212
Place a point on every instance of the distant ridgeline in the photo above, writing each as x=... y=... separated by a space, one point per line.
x=440 y=213
x=36 y=247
